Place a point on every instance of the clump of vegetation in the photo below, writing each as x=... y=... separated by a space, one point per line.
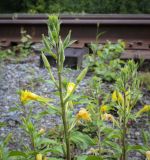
x=104 y=60
x=21 y=50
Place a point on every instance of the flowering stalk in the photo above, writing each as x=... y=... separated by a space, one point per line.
x=66 y=133
x=124 y=129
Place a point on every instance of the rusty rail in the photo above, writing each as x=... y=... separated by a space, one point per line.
x=133 y=29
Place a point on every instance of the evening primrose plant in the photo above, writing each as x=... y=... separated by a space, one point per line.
x=51 y=43
x=38 y=143
x=101 y=127
x=104 y=59
x=124 y=98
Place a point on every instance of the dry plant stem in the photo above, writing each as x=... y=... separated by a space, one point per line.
x=66 y=133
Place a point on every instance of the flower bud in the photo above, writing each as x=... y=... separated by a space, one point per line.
x=42 y=131
x=82 y=75
x=46 y=63
x=70 y=87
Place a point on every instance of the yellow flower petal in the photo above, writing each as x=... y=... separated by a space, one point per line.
x=26 y=96
x=83 y=114
x=146 y=108
x=103 y=108
x=148 y=155
x=108 y=117
x=70 y=87
x=39 y=156
x=117 y=97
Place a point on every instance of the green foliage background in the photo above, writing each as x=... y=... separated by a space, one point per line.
x=75 y=6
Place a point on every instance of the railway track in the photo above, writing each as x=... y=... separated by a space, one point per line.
x=133 y=29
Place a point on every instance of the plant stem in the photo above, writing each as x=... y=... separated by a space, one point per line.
x=66 y=133
x=99 y=140
x=124 y=130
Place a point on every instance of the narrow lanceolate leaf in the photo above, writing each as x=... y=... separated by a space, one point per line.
x=67 y=40
x=82 y=75
x=48 y=48
x=48 y=67
x=61 y=53
x=51 y=37
x=8 y=138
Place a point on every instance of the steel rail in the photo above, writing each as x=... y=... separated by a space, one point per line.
x=133 y=29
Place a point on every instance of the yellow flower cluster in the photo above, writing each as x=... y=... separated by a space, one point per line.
x=26 y=96
x=117 y=97
x=83 y=114
x=103 y=108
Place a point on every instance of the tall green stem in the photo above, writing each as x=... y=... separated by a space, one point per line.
x=124 y=130
x=99 y=140
x=66 y=133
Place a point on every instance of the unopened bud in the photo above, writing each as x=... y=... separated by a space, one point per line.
x=82 y=75
x=46 y=63
x=42 y=131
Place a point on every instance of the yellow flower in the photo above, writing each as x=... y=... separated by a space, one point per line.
x=26 y=96
x=103 y=108
x=83 y=114
x=42 y=131
x=146 y=108
x=108 y=117
x=39 y=156
x=117 y=96
x=70 y=87
x=148 y=155
x=128 y=95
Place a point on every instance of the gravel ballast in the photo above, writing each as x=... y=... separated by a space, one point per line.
x=30 y=76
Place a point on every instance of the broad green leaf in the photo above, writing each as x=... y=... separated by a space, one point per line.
x=80 y=139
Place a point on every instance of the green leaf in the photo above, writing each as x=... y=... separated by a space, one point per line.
x=141 y=149
x=7 y=139
x=94 y=158
x=82 y=157
x=67 y=40
x=47 y=141
x=55 y=158
x=17 y=153
x=80 y=139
